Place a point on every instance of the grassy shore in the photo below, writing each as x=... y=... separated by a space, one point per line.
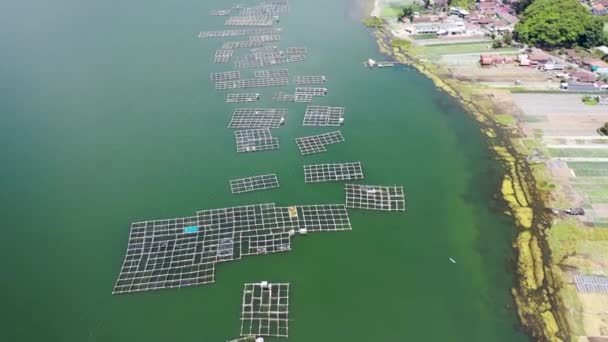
x=525 y=189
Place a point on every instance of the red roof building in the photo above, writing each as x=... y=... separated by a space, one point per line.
x=583 y=76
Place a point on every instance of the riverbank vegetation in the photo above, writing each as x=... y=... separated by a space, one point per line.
x=373 y=22
x=537 y=302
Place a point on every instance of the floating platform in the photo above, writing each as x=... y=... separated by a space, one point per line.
x=255 y=183
x=257 y=118
x=237 y=98
x=311 y=91
x=375 y=197
x=385 y=64
x=265 y=310
x=222 y=56
x=316 y=143
x=302 y=80
x=255 y=140
x=260 y=63
x=252 y=227
x=219 y=13
x=225 y=76
x=274 y=73
x=591 y=283
x=264 y=50
x=168 y=253
x=247 y=20
x=265 y=38
x=252 y=83
x=283 y=97
x=242 y=44
x=332 y=172
x=303 y=98
x=238 y=33
x=323 y=116
x=267 y=8
x=183 y=251
x=296 y=50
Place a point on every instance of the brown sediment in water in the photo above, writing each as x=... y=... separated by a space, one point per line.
x=535 y=292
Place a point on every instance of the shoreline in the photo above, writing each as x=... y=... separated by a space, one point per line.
x=538 y=306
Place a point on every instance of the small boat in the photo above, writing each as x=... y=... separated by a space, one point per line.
x=453 y=261
x=371 y=63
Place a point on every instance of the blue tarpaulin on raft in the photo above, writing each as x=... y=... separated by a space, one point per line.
x=191 y=229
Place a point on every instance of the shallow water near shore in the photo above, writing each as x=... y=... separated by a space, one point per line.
x=109 y=117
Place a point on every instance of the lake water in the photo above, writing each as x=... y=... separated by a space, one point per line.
x=108 y=117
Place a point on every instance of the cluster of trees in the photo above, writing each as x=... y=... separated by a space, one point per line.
x=559 y=23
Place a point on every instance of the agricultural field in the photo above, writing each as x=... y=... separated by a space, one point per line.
x=578 y=152
x=463 y=48
x=589 y=169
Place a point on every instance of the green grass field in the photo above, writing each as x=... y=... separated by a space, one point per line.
x=452 y=49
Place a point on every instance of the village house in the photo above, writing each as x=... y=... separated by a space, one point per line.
x=487 y=6
x=583 y=76
x=595 y=65
x=598 y=9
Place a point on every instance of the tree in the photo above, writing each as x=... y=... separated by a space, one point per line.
x=507 y=38
x=522 y=5
x=408 y=12
x=496 y=44
x=557 y=23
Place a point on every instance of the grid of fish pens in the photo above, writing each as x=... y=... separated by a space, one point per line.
x=265 y=38
x=222 y=56
x=255 y=140
x=296 y=50
x=267 y=243
x=332 y=172
x=591 y=283
x=316 y=143
x=323 y=116
x=241 y=44
x=238 y=33
x=263 y=50
x=252 y=83
x=273 y=73
x=259 y=20
x=303 y=80
x=283 y=97
x=257 y=118
x=260 y=63
x=168 y=253
x=225 y=76
x=267 y=7
x=311 y=91
x=238 y=98
x=375 y=197
x=303 y=98
x=255 y=230
x=265 y=309
x=254 y=183
x=322 y=218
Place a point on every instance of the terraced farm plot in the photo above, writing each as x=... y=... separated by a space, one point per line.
x=589 y=169
x=578 y=152
x=597 y=193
